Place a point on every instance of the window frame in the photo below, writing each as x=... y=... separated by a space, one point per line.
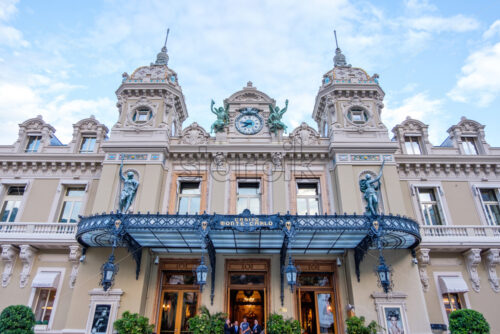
x=33 y=296
x=440 y=197
x=82 y=142
x=13 y=198
x=476 y=193
x=28 y=140
x=66 y=198
x=464 y=295
x=57 y=203
x=180 y=180
x=466 y=142
x=140 y=111
x=318 y=195
x=4 y=187
x=417 y=140
x=259 y=193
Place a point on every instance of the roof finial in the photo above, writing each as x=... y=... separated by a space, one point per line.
x=162 y=57
x=339 y=59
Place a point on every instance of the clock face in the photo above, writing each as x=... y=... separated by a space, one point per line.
x=249 y=124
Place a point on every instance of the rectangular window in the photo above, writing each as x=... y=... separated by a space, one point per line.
x=33 y=144
x=189 y=197
x=11 y=203
x=430 y=206
x=248 y=196
x=88 y=144
x=308 y=202
x=491 y=205
x=451 y=302
x=72 y=203
x=412 y=145
x=44 y=304
x=469 y=145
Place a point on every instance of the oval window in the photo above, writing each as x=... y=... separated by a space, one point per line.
x=357 y=115
x=142 y=115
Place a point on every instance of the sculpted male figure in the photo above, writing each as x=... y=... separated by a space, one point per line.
x=129 y=190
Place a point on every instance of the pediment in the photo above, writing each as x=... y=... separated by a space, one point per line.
x=249 y=94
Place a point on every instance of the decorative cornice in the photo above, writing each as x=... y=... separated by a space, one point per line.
x=492 y=258
x=9 y=256
x=472 y=260
x=27 y=256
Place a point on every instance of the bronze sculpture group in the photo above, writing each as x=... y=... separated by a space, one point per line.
x=370 y=188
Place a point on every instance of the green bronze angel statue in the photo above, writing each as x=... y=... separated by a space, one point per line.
x=370 y=188
x=274 y=120
x=222 y=118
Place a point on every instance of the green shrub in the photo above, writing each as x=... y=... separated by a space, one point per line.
x=356 y=325
x=133 y=323
x=206 y=323
x=277 y=325
x=17 y=319
x=468 y=322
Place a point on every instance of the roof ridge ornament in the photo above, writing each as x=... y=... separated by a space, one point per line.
x=162 y=57
x=339 y=59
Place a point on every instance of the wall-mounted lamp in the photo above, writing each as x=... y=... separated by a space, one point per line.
x=157 y=259
x=339 y=262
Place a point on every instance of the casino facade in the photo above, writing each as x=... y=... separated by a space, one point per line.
x=251 y=218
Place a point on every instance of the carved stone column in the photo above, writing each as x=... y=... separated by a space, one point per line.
x=423 y=260
x=472 y=260
x=74 y=257
x=9 y=256
x=27 y=256
x=491 y=261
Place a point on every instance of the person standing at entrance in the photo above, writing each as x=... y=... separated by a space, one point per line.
x=256 y=329
x=228 y=327
x=236 y=328
x=245 y=326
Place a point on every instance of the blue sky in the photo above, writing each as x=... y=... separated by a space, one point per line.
x=437 y=61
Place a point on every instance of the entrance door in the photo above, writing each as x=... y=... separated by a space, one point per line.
x=176 y=309
x=316 y=301
x=247 y=290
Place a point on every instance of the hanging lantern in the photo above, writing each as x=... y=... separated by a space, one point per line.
x=201 y=273
x=384 y=276
x=108 y=272
x=291 y=274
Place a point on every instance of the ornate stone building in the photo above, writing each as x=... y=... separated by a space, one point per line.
x=253 y=219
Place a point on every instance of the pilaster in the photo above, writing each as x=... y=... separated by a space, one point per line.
x=74 y=257
x=423 y=261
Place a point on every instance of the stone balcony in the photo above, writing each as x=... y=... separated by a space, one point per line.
x=452 y=237
x=40 y=235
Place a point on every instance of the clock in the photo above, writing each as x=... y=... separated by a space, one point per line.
x=249 y=122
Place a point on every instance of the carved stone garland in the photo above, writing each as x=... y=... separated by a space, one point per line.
x=27 y=256
x=74 y=257
x=472 y=260
x=491 y=261
x=423 y=261
x=9 y=256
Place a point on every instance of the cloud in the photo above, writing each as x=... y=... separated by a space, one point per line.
x=457 y=23
x=479 y=81
x=416 y=6
x=419 y=106
x=493 y=30
x=9 y=35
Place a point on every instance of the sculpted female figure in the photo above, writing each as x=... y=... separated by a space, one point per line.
x=129 y=190
x=370 y=187
x=222 y=118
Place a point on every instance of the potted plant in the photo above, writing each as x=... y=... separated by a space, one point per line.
x=17 y=319
x=356 y=325
x=277 y=325
x=468 y=322
x=133 y=323
x=206 y=323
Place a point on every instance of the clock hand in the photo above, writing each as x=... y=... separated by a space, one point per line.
x=247 y=123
